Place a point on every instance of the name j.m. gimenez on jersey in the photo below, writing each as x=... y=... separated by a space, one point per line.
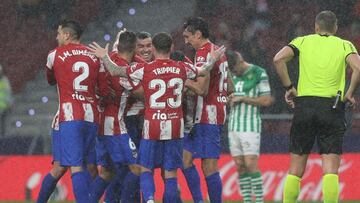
x=76 y=52
x=164 y=70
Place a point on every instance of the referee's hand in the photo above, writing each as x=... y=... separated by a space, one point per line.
x=349 y=99
x=289 y=97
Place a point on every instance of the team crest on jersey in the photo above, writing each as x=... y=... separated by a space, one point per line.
x=250 y=76
x=200 y=59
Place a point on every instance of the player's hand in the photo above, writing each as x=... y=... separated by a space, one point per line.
x=116 y=43
x=97 y=50
x=289 y=97
x=350 y=100
x=218 y=53
x=235 y=99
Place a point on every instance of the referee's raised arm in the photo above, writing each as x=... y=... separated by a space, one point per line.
x=319 y=101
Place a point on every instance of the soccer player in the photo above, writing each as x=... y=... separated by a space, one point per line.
x=163 y=81
x=252 y=91
x=114 y=147
x=209 y=117
x=76 y=72
x=318 y=102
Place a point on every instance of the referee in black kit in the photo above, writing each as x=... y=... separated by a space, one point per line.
x=318 y=102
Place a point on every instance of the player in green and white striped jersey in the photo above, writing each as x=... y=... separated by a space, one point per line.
x=251 y=91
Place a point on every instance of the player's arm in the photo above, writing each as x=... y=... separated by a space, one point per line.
x=280 y=60
x=265 y=100
x=102 y=53
x=215 y=55
x=50 y=76
x=200 y=86
x=138 y=93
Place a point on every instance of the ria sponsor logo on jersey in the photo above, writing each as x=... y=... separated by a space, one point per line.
x=76 y=52
x=163 y=116
x=222 y=99
x=165 y=70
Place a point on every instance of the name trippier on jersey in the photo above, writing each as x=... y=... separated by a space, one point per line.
x=76 y=52
x=165 y=70
x=164 y=116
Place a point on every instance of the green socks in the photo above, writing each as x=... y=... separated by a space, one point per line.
x=245 y=187
x=291 y=189
x=330 y=188
x=251 y=182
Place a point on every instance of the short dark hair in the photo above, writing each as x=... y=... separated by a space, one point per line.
x=197 y=23
x=143 y=35
x=162 y=42
x=73 y=27
x=232 y=59
x=327 y=21
x=177 y=55
x=127 y=42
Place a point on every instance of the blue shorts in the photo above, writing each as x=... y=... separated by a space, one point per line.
x=165 y=153
x=119 y=149
x=55 y=144
x=205 y=143
x=134 y=125
x=77 y=141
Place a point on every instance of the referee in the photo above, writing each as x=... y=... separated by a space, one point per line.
x=318 y=102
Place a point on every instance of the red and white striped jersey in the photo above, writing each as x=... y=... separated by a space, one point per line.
x=76 y=72
x=112 y=119
x=163 y=82
x=211 y=109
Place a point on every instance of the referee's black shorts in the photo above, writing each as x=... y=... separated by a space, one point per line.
x=315 y=119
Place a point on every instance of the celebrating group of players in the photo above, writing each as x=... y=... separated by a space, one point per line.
x=102 y=97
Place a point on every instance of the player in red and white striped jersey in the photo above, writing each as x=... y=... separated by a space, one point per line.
x=114 y=147
x=163 y=81
x=76 y=72
x=210 y=113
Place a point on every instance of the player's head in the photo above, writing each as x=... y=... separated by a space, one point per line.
x=162 y=43
x=326 y=21
x=68 y=31
x=127 y=42
x=144 y=46
x=177 y=55
x=235 y=62
x=195 y=31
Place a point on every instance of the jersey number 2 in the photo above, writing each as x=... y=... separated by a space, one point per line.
x=85 y=73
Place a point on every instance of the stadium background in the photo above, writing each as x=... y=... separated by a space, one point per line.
x=258 y=28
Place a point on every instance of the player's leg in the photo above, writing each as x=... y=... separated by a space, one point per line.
x=129 y=154
x=75 y=139
x=147 y=157
x=50 y=180
x=172 y=156
x=330 y=142
x=107 y=168
x=210 y=155
x=236 y=151
x=251 y=146
x=189 y=170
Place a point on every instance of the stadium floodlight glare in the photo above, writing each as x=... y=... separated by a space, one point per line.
x=31 y=112
x=107 y=37
x=119 y=24
x=132 y=11
x=18 y=124
x=44 y=99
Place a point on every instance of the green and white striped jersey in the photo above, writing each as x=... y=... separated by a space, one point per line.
x=253 y=83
